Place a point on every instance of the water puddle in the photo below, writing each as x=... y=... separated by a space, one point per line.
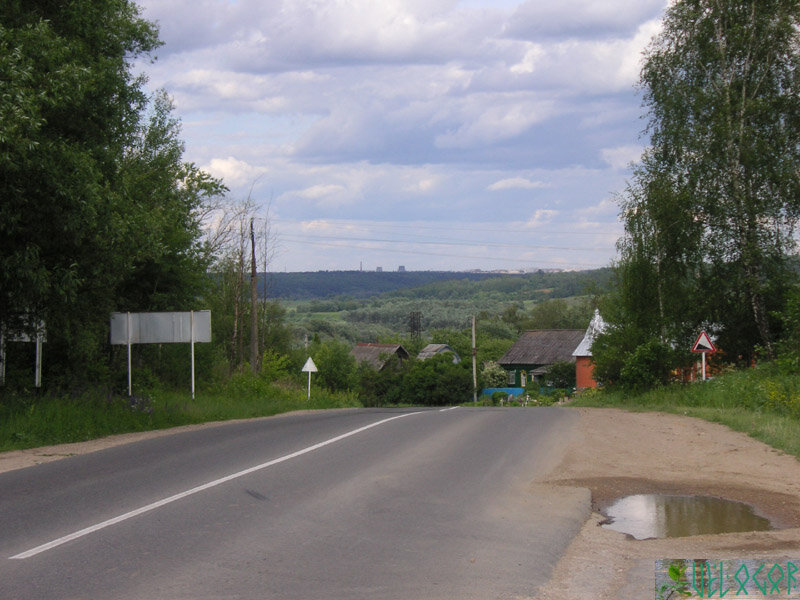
x=662 y=516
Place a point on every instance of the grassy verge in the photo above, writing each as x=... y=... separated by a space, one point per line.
x=763 y=402
x=29 y=421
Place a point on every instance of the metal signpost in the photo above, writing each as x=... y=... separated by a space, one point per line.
x=703 y=345
x=40 y=338
x=309 y=368
x=160 y=328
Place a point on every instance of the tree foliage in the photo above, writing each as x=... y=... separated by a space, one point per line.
x=98 y=211
x=711 y=213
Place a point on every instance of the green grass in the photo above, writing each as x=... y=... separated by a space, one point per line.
x=31 y=421
x=763 y=402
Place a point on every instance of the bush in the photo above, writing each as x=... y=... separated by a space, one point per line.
x=436 y=382
x=651 y=364
x=493 y=375
x=561 y=375
x=337 y=367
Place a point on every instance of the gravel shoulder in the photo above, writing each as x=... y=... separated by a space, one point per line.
x=618 y=453
x=621 y=453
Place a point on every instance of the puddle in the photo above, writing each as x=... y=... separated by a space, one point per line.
x=661 y=516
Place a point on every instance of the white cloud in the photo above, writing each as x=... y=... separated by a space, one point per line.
x=542 y=217
x=235 y=172
x=519 y=183
x=623 y=156
x=495 y=117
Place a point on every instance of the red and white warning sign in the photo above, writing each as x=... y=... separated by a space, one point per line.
x=703 y=343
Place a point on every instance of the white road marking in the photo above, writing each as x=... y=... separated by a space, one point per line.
x=446 y=409
x=195 y=490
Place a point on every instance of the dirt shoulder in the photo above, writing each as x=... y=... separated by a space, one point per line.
x=616 y=454
x=622 y=453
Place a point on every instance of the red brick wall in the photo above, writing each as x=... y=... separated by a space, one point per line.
x=583 y=372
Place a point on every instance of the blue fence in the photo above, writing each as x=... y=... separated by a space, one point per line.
x=510 y=391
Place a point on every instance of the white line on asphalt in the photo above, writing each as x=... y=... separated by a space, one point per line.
x=195 y=490
x=446 y=409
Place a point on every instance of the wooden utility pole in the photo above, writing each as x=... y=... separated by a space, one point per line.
x=474 y=365
x=253 y=302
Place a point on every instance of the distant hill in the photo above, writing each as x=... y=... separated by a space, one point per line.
x=421 y=284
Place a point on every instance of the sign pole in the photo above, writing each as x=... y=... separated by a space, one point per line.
x=703 y=345
x=309 y=368
x=130 y=387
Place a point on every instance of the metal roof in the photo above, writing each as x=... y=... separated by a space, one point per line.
x=596 y=327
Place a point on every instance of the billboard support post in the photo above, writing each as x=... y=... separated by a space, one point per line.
x=128 y=330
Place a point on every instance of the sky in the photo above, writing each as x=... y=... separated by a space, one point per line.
x=432 y=134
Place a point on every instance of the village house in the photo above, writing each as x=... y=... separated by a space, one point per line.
x=377 y=355
x=432 y=350
x=536 y=351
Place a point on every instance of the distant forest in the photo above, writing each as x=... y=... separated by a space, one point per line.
x=321 y=285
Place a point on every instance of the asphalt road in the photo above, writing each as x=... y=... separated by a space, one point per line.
x=386 y=504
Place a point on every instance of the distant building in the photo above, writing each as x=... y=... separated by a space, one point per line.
x=433 y=349
x=377 y=355
x=379 y=269
x=401 y=269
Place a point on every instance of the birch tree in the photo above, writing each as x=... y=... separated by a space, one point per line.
x=713 y=207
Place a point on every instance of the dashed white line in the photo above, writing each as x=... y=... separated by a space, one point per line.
x=134 y=513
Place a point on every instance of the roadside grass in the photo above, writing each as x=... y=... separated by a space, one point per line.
x=29 y=421
x=763 y=402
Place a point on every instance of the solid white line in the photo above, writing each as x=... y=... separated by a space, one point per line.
x=446 y=409
x=195 y=490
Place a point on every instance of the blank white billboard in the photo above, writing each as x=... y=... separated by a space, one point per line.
x=161 y=327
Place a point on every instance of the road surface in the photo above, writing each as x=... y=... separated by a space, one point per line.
x=378 y=504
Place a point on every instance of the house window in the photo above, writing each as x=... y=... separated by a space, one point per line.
x=523 y=378
x=512 y=377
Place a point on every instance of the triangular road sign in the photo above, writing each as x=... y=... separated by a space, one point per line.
x=309 y=367
x=703 y=343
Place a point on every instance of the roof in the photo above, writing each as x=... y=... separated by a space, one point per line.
x=377 y=354
x=434 y=349
x=596 y=327
x=544 y=347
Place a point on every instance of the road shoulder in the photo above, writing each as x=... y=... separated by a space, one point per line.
x=622 y=453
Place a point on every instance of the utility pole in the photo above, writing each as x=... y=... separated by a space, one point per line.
x=474 y=365
x=253 y=302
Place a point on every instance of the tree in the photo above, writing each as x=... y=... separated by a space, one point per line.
x=711 y=213
x=98 y=210
x=337 y=367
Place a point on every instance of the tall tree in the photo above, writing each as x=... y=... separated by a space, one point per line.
x=96 y=206
x=711 y=213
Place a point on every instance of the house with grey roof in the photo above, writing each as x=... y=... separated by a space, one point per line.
x=378 y=355
x=535 y=351
x=432 y=350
